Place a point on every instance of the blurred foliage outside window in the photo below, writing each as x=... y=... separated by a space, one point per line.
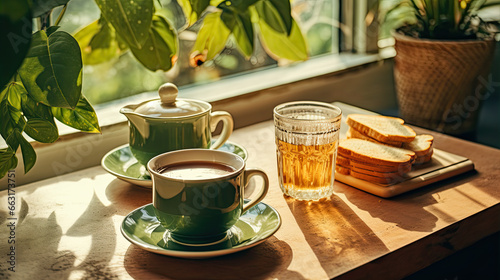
x=125 y=76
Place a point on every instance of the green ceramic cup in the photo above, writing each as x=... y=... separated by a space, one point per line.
x=201 y=210
x=169 y=123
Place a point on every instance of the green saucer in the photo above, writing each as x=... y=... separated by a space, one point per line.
x=142 y=228
x=121 y=163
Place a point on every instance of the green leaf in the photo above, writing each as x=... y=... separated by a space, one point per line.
x=212 y=37
x=276 y=14
x=29 y=155
x=40 y=125
x=7 y=124
x=198 y=6
x=98 y=42
x=241 y=27
x=10 y=116
x=32 y=109
x=12 y=140
x=3 y=94
x=41 y=7
x=161 y=46
x=83 y=117
x=41 y=130
x=15 y=92
x=216 y=3
x=193 y=9
x=52 y=71
x=122 y=45
x=239 y=5
x=280 y=45
x=130 y=18
x=8 y=161
x=15 y=37
x=52 y=29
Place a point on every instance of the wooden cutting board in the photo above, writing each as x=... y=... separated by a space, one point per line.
x=442 y=166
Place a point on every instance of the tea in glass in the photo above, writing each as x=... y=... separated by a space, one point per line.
x=306 y=145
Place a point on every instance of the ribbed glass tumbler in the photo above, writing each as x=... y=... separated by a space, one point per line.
x=307 y=134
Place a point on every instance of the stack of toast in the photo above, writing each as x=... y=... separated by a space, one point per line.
x=381 y=149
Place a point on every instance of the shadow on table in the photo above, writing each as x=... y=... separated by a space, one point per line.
x=103 y=238
x=263 y=261
x=414 y=217
x=335 y=232
x=124 y=197
x=40 y=237
x=43 y=236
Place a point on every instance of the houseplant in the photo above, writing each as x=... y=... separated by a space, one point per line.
x=443 y=59
x=41 y=71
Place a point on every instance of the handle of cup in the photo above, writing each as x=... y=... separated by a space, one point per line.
x=227 y=127
x=249 y=173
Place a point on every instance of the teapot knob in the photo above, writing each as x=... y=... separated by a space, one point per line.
x=168 y=93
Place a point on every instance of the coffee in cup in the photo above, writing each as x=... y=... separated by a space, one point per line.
x=192 y=170
x=198 y=194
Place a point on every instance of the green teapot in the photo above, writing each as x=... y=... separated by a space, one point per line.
x=169 y=123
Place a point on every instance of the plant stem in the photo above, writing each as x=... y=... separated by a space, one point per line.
x=45 y=20
x=61 y=14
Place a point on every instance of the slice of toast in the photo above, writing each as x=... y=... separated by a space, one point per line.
x=421 y=145
x=381 y=128
x=353 y=133
x=380 y=178
x=373 y=153
x=358 y=165
x=373 y=173
x=424 y=159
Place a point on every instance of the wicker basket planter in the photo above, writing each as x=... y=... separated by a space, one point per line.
x=441 y=84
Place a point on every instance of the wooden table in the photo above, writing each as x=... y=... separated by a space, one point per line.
x=69 y=226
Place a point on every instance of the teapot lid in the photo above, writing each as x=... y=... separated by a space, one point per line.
x=169 y=105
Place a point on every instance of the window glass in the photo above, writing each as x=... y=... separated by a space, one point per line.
x=125 y=76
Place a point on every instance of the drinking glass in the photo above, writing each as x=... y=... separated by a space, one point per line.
x=307 y=134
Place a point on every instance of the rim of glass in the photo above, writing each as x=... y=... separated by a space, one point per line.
x=307 y=103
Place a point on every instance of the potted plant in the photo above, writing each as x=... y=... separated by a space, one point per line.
x=444 y=51
x=41 y=69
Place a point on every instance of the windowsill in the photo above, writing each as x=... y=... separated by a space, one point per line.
x=249 y=98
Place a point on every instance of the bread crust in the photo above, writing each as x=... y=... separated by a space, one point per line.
x=382 y=179
x=373 y=153
x=353 y=133
x=421 y=145
x=381 y=128
x=400 y=169
x=342 y=170
x=424 y=159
